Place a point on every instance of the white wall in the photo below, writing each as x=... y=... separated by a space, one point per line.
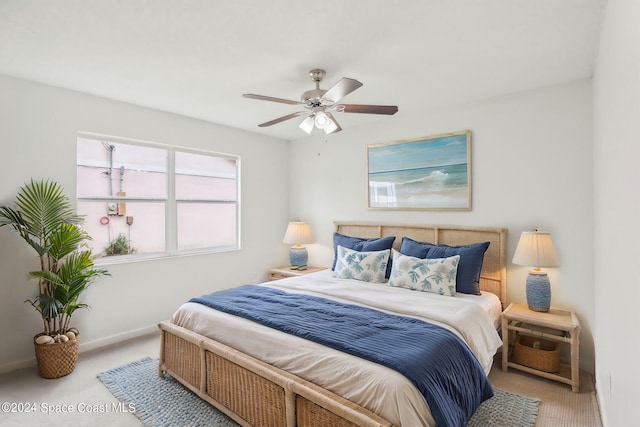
x=38 y=129
x=531 y=166
x=617 y=212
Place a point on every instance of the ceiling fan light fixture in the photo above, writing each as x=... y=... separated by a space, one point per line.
x=330 y=127
x=322 y=120
x=307 y=124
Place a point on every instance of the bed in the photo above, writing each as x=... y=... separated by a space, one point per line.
x=264 y=379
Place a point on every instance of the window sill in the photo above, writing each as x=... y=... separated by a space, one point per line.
x=126 y=259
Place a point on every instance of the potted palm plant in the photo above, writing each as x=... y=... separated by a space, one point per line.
x=44 y=218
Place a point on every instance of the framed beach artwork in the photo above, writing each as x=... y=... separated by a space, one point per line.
x=432 y=172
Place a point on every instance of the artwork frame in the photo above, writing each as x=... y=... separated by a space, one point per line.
x=424 y=173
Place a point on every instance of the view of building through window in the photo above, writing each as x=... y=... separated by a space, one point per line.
x=150 y=199
x=206 y=193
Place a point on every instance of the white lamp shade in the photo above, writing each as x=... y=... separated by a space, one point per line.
x=330 y=127
x=321 y=120
x=297 y=233
x=535 y=249
x=307 y=124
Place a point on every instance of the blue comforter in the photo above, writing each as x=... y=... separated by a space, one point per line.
x=435 y=360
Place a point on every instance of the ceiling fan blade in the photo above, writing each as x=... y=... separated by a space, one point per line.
x=332 y=128
x=341 y=89
x=282 y=119
x=367 y=109
x=272 y=99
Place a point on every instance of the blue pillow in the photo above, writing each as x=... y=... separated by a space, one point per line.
x=362 y=245
x=471 y=258
x=415 y=249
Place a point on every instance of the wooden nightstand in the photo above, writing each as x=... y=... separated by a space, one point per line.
x=283 y=272
x=554 y=325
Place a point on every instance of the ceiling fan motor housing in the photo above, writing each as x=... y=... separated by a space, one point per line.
x=313 y=96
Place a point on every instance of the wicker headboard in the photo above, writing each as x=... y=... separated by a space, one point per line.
x=493 y=277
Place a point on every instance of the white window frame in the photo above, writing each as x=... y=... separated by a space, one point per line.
x=171 y=204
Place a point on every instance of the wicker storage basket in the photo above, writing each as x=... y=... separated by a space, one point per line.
x=58 y=359
x=537 y=353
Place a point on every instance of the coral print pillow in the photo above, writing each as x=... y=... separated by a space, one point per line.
x=436 y=275
x=365 y=266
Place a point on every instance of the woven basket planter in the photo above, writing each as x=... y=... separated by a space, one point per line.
x=537 y=353
x=58 y=359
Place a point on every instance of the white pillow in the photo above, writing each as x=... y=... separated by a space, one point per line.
x=365 y=266
x=436 y=275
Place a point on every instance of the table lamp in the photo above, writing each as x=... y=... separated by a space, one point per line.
x=297 y=234
x=535 y=249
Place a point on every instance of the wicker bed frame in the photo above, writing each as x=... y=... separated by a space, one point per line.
x=254 y=393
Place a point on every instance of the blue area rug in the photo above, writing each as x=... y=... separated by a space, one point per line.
x=160 y=401
x=164 y=402
x=506 y=409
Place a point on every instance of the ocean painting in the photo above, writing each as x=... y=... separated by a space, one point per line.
x=423 y=173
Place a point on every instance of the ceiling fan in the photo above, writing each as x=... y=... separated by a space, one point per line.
x=319 y=104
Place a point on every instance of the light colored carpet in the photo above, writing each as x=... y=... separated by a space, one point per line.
x=163 y=402
x=559 y=405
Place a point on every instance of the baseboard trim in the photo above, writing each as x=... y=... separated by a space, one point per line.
x=117 y=338
x=17 y=365
x=599 y=397
x=86 y=346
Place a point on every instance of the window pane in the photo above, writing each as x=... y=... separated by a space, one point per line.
x=205 y=225
x=139 y=227
x=191 y=187
x=205 y=177
x=106 y=169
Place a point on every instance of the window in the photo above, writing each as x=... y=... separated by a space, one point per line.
x=206 y=198
x=143 y=199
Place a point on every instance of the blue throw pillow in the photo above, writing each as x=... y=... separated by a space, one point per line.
x=415 y=249
x=362 y=245
x=471 y=258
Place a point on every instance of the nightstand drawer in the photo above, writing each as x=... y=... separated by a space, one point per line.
x=275 y=275
x=284 y=272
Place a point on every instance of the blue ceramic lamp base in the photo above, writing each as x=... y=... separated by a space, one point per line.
x=298 y=257
x=538 y=291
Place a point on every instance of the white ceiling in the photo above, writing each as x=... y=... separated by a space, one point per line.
x=197 y=57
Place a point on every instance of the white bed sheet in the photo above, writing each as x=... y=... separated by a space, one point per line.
x=378 y=388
